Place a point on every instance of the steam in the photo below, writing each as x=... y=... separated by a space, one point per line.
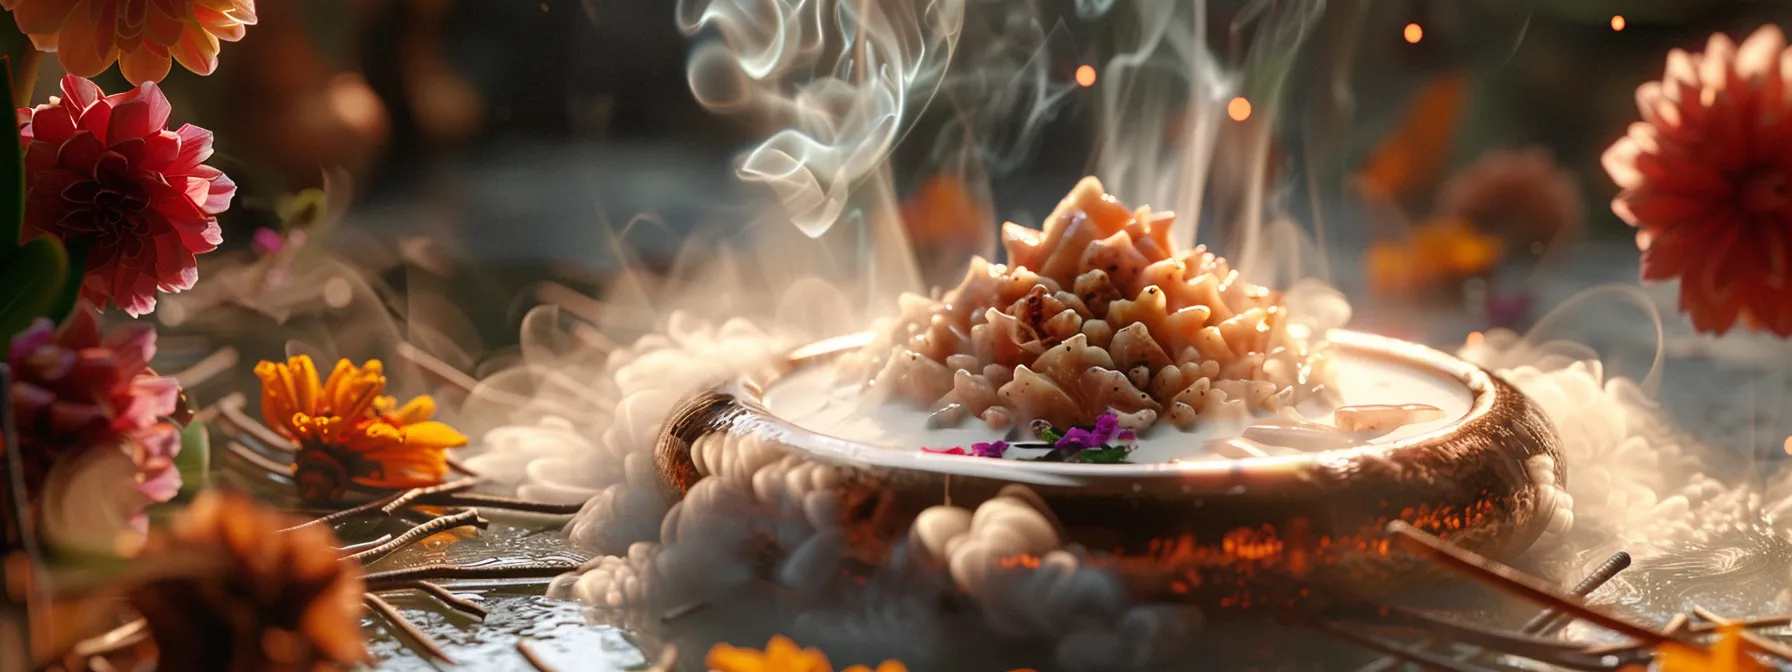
x=1701 y=526
x=1163 y=120
x=1011 y=80
x=837 y=127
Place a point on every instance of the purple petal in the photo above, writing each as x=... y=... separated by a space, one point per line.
x=1105 y=426
x=991 y=449
x=1078 y=438
x=1127 y=435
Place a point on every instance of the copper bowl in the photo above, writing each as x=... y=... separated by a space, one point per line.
x=1263 y=531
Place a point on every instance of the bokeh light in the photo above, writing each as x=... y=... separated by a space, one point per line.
x=1239 y=109
x=1414 y=33
x=1618 y=22
x=1085 y=75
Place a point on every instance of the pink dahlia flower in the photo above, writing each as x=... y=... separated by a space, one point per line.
x=75 y=392
x=104 y=172
x=1707 y=181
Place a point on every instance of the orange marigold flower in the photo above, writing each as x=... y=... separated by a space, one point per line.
x=349 y=432
x=1707 y=181
x=783 y=655
x=143 y=36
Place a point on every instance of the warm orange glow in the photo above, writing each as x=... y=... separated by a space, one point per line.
x=1618 y=22
x=1414 y=33
x=1085 y=75
x=1239 y=109
x=1789 y=445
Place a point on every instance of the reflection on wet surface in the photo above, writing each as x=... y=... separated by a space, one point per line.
x=557 y=631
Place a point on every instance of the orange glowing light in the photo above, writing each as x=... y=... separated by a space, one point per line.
x=1618 y=22
x=1789 y=445
x=1414 y=33
x=1085 y=75
x=1239 y=109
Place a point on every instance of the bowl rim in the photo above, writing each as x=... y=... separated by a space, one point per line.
x=749 y=393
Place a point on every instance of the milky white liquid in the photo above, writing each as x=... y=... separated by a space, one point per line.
x=824 y=401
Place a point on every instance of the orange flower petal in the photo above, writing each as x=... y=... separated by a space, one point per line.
x=332 y=390
x=144 y=67
x=197 y=49
x=432 y=435
x=417 y=410
x=81 y=49
x=39 y=16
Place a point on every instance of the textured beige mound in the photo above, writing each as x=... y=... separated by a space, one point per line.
x=1095 y=313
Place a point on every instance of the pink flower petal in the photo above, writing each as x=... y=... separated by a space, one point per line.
x=81 y=153
x=80 y=93
x=152 y=398
x=51 y=124
x=134 y=345
x=195 y=148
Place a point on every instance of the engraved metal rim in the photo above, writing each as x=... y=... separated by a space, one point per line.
x=1484 y=394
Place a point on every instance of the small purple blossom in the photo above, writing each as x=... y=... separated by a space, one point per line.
x=1106 y=428
x=991 y=449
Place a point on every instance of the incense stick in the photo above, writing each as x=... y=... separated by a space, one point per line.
x=1517 y=583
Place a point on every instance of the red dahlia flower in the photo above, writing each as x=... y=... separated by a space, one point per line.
x=1707 y=181
x=104 y=173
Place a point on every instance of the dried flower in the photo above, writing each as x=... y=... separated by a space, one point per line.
x=89 y=410
x=103 y=173
x=277 y=601
x=1521 y=194
x=783 y=655
x=1707 y=181
x=143 y=36
x=348 y=432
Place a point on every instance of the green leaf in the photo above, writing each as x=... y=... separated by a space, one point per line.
x=22 y=58
x=12 y=174
x=64 y=302
x=1104 y=455
x=194 y=460
x=30 y=280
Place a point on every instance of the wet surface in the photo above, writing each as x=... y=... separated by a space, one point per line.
x=557 y=631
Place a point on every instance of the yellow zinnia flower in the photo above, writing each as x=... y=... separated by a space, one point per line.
x=143 y=36
x=349 y=432
x=783 y=655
